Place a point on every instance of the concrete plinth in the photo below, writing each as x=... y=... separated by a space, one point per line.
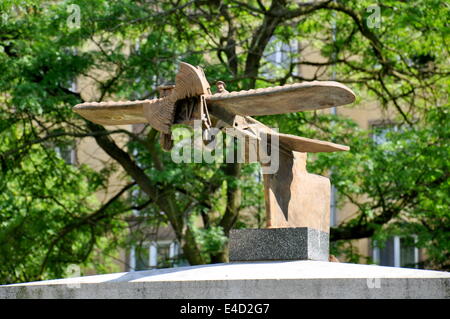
x=257 y=280
x=300 y=243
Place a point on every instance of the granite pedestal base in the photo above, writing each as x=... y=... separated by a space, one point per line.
x=301 y=243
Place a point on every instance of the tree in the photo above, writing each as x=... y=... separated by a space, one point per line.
x=398 y=57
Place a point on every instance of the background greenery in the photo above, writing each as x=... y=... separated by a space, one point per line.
x=49 y=215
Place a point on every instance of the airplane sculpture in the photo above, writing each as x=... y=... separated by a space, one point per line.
x=191 y=99
x=294 y=198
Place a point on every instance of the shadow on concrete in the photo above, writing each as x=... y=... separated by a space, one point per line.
x=134 y=275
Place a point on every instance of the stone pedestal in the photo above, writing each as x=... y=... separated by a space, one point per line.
x=255 y=280
x=298 y=216
x=299 y=243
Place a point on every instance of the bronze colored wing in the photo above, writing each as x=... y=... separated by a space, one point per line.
x=284 y=99
x=159 y=113
x=309 y=145
x=274 y=100
x=297 y=143
x=114 y=113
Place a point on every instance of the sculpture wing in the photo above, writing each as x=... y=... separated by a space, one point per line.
x=114 y=113
x=309 y=145
x=159 y=113
x=297 y=143
x=284 y=99
x=274 y=100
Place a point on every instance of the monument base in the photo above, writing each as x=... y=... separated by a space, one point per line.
x=254 y=280
x=300 y=243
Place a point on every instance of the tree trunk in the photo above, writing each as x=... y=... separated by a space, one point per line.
x=190 y=249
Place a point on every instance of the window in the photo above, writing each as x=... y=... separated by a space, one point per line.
x=159 y=254
x=333 y=207
x=67 y=152
x=279 y=56
x=71 y=85
x=135 y=193
x=396 y=252
x=142 y=258
x=380 y=131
